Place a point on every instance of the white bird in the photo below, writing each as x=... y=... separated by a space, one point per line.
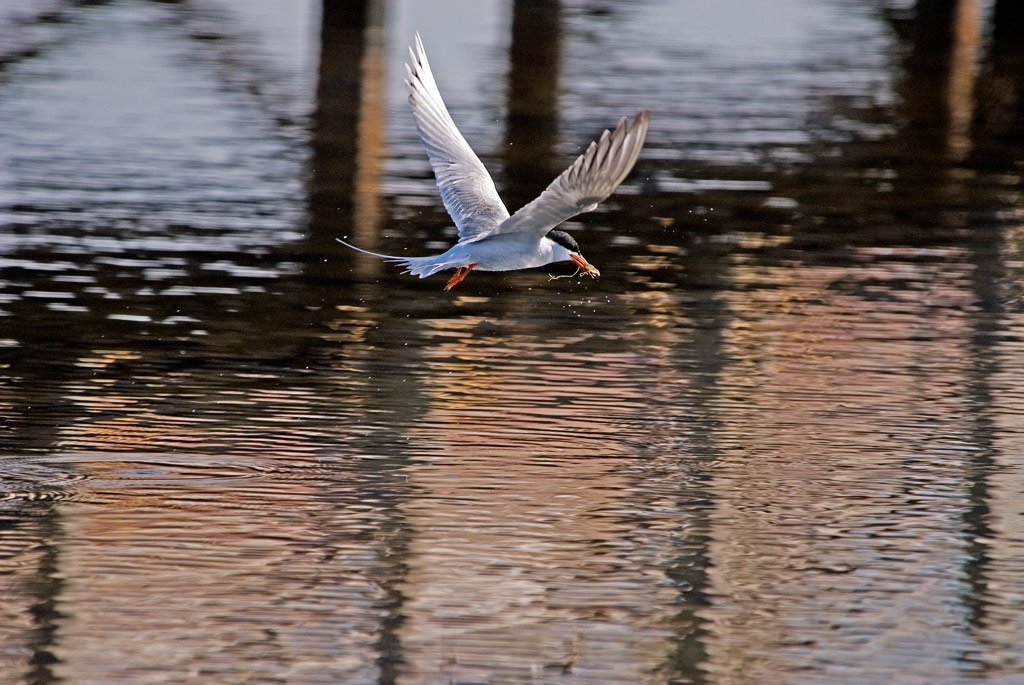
x=490 y=239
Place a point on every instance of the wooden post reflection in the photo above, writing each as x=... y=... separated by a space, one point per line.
x=532 y=127
x=994 y=507
x=942 y=71
x=963 y=72
x=999 y=116
x=347 y=131
x=31 y=589
x=1008 y=23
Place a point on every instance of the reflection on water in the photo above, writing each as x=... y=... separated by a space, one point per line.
x=777 y=441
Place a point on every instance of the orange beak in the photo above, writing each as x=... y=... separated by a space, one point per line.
x=584 y=265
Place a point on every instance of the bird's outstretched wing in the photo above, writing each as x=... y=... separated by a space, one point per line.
x=590 y=179
x=466 y=188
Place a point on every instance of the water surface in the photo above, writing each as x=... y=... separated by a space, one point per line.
x=779 y=440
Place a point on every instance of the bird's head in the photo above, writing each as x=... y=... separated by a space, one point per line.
x=571 y=250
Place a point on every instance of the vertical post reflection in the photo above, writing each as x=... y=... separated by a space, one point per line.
x=531 y=135
x=44 y=611
x=987 y=273
x=689 y=572
x=1008 y=24
x=31 y=589
x=963 y=73
x=998 y=137
x=347 y=131
x=999 y=127
x=700 y=358
x=941 y=73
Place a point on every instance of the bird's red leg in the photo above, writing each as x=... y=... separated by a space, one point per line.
x=455 y=279
x=460 y=273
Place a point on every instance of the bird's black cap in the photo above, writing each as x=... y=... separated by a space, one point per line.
x=565 y=240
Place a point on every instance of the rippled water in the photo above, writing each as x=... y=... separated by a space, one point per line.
x=778 y=441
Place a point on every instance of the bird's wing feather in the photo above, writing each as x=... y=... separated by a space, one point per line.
x=466 y=188
x=590 y=179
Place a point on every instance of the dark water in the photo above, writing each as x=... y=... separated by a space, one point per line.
x=778 y=441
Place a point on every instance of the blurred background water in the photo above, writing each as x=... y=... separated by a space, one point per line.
x=778 y=441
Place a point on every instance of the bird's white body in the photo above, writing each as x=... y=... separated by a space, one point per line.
x=502 y=252
x=511 y=251
x=490 y=239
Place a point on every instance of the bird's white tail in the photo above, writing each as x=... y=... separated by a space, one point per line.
x=417 y=266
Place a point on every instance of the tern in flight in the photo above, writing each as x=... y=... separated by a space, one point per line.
x=490 y=239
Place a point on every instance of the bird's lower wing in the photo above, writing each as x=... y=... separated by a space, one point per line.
x=466 y=188
x=590 y=179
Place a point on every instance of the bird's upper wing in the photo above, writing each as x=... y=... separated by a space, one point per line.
x=466 y=188
x=590 y=179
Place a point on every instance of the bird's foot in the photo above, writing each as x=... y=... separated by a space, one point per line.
x=460 y=273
